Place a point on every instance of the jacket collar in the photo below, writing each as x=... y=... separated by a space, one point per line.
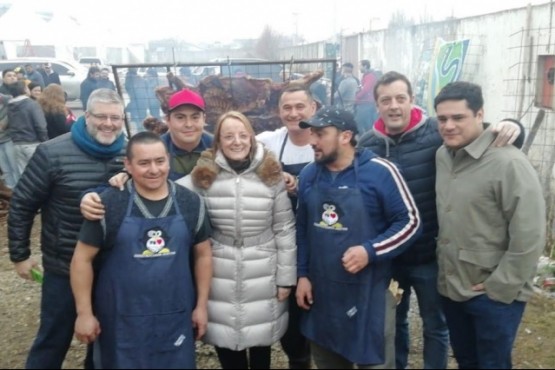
x=480 y=145
x=210 y=164
x=417 y=119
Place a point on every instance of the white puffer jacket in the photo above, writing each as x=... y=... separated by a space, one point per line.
x=253 y=246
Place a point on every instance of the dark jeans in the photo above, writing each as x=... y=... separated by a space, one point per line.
x=365 y=116
x=258 y=358
x=482 y=331
x=294 y=344
x=423 y=279
x=57 y=320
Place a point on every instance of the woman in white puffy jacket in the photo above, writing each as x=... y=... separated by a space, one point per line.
x=254 y=248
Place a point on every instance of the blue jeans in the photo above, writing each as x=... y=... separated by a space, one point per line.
x=423 y=279
x=365 y=116
x=57 y=320
x=483 y=331
x=8 y=164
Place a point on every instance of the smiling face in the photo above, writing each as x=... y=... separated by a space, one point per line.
x=105 y=122
x=149 y=166
x=394 y=105
x=458 y=125
x=235 y=140
x=186 y=124
x=295 y=107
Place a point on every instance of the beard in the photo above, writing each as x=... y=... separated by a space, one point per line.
x=328 y=158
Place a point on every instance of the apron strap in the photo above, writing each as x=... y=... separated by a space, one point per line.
x=283 y=147
x=136 y=199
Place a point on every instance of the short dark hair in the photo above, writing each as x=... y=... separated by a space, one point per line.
x=93 y=70
x=462 y=90
x=365 y=63
x=348 y=65
x=296 y=88
x=390 y=77
x=5 y=72
x=144 y=137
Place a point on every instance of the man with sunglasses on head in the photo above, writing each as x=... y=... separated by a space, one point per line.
x=55 y=178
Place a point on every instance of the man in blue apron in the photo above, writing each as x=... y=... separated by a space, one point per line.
x=291 y=145
x=354 y=215
x=153 y=268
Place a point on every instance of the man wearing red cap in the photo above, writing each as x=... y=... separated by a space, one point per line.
x=185 y=140
x=186 y=137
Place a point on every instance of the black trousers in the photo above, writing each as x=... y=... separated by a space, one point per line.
x=258 y=358
x=294 y=344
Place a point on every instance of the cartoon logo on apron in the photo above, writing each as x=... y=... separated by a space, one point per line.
x=330 y=218
x=155 y=244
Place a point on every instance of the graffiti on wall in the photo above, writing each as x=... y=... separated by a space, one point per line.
x=438 y=68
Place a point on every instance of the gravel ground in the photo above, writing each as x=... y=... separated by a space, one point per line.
x=19 y=319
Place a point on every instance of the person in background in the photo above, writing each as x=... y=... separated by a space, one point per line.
x=35 y=91
x=104 y=80
x=26 y=124
x=8 y=77
x=155 y=260
x=53 y=182
x=344 y=97
x=8 y=163
x=254 y=249
x=50 y=76
x=365 y=105
x=34 y=76
x=291 y=145
x=136 y=88
x=404 y=135
x=151 y=81
x=88 y=85
x=20 y=74
x=492 y=231
x=59 y=118
x=354 y=215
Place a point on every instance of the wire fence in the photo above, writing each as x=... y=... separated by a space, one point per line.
x=252 y=88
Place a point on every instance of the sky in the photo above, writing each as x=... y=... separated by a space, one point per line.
x=213 y=21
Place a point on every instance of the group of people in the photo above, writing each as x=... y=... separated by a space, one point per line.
x=295 y=235
x=139 y=89
x=28 y=116
x=357 y=96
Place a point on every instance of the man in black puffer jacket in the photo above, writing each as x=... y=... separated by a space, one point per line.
x=405 y=136
x=53 y=182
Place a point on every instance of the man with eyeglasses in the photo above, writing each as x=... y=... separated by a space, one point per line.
x=55 y=178
x=185 y=140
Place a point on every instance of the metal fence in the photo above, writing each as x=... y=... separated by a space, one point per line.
x=252 y=88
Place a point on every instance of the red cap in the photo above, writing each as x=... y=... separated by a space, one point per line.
x=186 y=96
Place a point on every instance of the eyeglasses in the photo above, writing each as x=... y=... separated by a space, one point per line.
x=105 y=117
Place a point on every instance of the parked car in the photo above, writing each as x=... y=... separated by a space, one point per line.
x=71 y=73
x=93 y=61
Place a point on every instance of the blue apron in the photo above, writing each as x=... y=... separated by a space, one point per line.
x=294 y=169
x=348 y=313
x=145 y=292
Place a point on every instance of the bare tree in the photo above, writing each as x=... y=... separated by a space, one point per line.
x=268 y=44
x=399 y=19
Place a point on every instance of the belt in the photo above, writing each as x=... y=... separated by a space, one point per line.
x=247 y=241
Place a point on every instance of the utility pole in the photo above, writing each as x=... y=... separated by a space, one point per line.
x=296 y=27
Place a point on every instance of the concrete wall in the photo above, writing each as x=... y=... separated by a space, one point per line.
x=502 y=57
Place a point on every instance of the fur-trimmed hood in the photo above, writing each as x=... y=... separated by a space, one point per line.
x=209 y=165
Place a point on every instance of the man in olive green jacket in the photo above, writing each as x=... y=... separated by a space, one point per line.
x=492 y=226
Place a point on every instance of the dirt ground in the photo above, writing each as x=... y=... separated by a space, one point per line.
x=19 y=319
